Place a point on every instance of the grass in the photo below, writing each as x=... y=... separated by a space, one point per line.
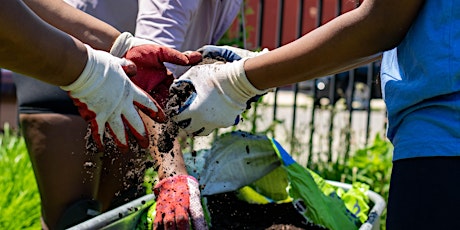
x=20 y=200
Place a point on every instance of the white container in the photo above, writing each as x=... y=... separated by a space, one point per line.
x=127 y=216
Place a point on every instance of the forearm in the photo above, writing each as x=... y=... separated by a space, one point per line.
x=352 y=39
x=171 y=163
x=77 y=23
x=168 y=163
x=32 y=47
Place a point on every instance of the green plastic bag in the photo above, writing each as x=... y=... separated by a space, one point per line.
x=327 y=211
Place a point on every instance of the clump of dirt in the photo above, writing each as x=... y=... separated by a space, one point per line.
x=208 y=60
x=228 y=212
x=175 y=103
x=165 y=141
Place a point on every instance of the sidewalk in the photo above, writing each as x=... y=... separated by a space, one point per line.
x=286 y=98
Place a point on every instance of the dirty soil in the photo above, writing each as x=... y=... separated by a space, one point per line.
x=228 y=212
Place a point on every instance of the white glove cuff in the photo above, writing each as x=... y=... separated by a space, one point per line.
x=121 y=44
x=240 y=81
x=85 y=76
x=126 y=41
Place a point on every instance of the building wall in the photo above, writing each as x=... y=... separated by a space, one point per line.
x=284 y=21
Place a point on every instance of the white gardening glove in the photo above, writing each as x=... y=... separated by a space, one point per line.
x=229 y=53
x=211 y=96
x=105 y=96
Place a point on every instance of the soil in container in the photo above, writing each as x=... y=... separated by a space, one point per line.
x=228 y=212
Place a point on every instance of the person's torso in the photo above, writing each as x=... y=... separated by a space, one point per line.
x=185 y=25
x=421 y=84
x=121 y=14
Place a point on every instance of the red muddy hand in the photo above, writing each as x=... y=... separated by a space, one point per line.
x=178 y=202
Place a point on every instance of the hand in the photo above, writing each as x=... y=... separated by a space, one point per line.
x=219 y=93
x=178 y=201
x=149 y=59
x=105 y=96
x=229 y=53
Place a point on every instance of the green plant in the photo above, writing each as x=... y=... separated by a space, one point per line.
x=372 y=165
x=237 y=37
x=20 y=200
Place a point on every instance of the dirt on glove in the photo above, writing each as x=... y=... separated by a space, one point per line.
x=176 y=101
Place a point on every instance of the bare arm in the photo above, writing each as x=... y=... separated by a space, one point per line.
x=77 y=23
x=30 y=46
x=349 y=40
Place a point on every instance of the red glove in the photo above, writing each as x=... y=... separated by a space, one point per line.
x=152 y=75
x=149 y=58
x=178 y=201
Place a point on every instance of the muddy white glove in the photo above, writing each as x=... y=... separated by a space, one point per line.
x=219 y=93
x=105 y=96
x=229 y=53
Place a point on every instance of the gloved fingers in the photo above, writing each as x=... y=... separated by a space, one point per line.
x=169 y=219
x=244 y=53
x=154 y=56
x=147 y=79
x=219 y=52
x=118 y=132
x=182 y=117
x=188 y=118
x=194 y=57
x=158 y=221
x=130 y=68
x=181 y=219
x=138 y=130
x=97 y=132
x=149 y=106
x=185 y=93
x=173 y=56
x=179 y=107
x=161 y=92
x=198 y=222
x=195 y=128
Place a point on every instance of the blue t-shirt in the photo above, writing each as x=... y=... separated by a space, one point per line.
x=421 y=84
